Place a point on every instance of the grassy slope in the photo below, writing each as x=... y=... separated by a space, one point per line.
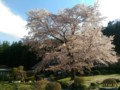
x=100 y=78
x=25 y=86
x=97 y=78
x=12 y=86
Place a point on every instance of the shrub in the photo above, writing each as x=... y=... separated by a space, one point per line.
x=80 y=72
x=39 y=77
x=79 y=81
x=40 y=85
x=81 y=87
x=117 y=80
x=66 y=84
x=29 y=73
x=118 y=88
x=18 y=73
x=104 y=71
x=53 y=86
x=110 y=82
x=67 y=73
x=4 y=77
x=93 y=86
x=32 y=78
x=87 y=72
x=96 y=72
x=52 y=77
x=79 y=84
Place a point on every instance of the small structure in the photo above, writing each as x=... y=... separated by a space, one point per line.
x=4 y=71
x=110 y=82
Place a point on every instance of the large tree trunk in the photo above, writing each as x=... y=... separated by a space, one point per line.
x=73 y=73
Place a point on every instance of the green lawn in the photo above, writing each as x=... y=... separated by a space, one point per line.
x=29 y=86
x=97 y=78
x=100 y=78
x=14 y=86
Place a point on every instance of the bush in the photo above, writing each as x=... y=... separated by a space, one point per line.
x=39 y=77
x=110 y=82
x=32 y=78
x=79 y=81
x=79 y=84
x=40 y=85
x=96 y=72
x=104 y=71
x=66 y=84
x=80 y=72
x=53 y=86
x=29 y=73
x=93 y=86
x=67 y=73
x=81 y=87
x=4 y=77
x=118 y=88
x=52 y=77
x=117 y=80
x=87 y=72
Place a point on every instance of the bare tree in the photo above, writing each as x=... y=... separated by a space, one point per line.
x=71 y=39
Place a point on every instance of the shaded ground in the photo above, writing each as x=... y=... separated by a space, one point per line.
x=31 y=86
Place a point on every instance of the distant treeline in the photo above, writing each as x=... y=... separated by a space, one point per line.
x=15 y=54
x=113 y=29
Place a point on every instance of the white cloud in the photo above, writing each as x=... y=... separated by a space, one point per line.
x=14 y=25
x=10 y=23
x=110 y=9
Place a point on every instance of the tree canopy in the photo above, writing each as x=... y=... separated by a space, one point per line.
x=15 y=54
x=72 y=38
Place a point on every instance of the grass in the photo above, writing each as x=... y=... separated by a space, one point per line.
x=100 y=78
x=97 y=78
x=94 y=78
x=13 y=86
x=4 y=86
x=24 y=86
x=28 y=86
x=64 y=79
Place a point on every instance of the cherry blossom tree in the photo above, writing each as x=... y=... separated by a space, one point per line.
x=70 y=39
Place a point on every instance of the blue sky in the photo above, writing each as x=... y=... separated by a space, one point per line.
x=6 y=37
x=13 y=13
x=21 y=7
